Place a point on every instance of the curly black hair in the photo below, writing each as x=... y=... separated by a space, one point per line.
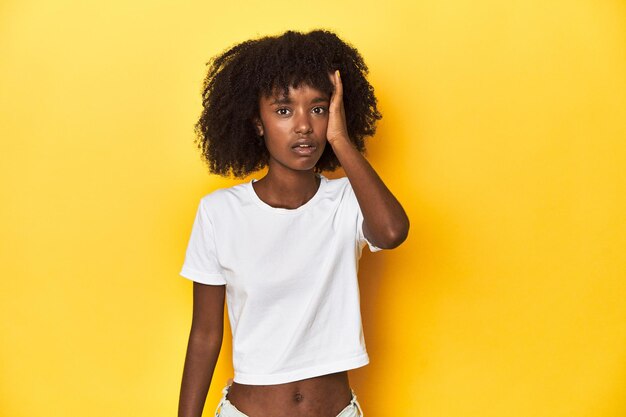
x=239 y=76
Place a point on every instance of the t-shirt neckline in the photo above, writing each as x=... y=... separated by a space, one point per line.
x=281 y=210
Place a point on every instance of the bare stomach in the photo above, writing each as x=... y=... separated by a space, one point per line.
x=322 y=396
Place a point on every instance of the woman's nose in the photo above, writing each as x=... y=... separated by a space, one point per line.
x=303 y=124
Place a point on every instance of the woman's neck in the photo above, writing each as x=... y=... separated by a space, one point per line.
x=288 y=190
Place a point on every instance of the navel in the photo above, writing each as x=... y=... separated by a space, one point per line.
x=298 y=397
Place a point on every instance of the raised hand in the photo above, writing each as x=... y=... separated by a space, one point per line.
x=385 y=223
x=336 y=129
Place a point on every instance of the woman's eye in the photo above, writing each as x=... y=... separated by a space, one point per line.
x=319 y=110
x=282 y=112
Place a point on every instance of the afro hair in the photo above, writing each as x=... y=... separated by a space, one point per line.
x=239 y=76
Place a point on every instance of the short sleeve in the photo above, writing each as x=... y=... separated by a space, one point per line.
x=201 y=264
x=359 y=221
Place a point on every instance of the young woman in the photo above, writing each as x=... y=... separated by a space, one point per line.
x=283 y=250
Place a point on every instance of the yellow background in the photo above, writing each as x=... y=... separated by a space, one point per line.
x=503 y=136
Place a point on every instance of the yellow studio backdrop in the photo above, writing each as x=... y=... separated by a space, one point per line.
x=503 y=136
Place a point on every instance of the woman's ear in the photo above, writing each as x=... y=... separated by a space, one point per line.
x=258 y=125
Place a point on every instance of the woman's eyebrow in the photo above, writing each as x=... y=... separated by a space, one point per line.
x=287 y=100
x=281 y=100
x=319 y=100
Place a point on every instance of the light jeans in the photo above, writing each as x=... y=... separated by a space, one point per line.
x=226 y=409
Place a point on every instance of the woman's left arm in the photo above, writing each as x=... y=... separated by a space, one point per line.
x=385 y=223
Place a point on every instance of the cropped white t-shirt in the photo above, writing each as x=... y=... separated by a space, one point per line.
x=291 y=279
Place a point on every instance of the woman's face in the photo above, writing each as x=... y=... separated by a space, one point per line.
x=294 y=127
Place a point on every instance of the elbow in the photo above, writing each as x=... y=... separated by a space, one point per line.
x=395 y=235
x=212 y=339
x=208 y=339
x=398 y=237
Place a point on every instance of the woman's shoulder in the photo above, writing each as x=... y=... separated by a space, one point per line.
x=223 y=197
x=338 y=185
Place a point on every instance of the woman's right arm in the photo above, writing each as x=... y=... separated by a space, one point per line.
x=203 y=349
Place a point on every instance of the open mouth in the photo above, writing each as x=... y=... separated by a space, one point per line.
x=304 y=149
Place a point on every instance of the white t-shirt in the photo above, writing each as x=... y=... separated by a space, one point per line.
x=291 y=279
